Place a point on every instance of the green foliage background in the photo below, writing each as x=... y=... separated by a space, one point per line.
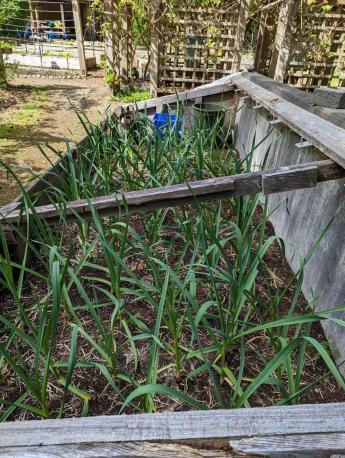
x=12 y=12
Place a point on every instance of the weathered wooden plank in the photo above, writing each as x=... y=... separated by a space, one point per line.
x=110 y=450
x=324 y=135
x=278 y=180
x=154 y=51
x=141 y=200
x=305 y=177
x=174 y=98
x=263 y=41
x=321 y=445
x=217 y=426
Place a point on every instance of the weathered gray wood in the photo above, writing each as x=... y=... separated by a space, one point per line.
x=281 y=48
x=240 y=33
x=175 y=98
x=154 y=55
x=324 y=135
x=218 y=426
x=137 y=200
x=321 y=445
x=278 y=180
x=263 y=41
x=305 y=177
x=117 y=449
x=298 y=97
x=62 y=12
x=329 y=97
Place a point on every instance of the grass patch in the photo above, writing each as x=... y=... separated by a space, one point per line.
x=26 y=116
x=131 y=96
x=58 y=54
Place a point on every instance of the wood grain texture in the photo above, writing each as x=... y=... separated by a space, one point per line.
x=305 y=177
x=219 y=426
x=324 y=135
x=272 y=181
x=281 y=46
x=321 y=445
x=110 y=450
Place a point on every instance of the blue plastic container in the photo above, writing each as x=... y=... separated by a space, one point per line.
x=166 y=122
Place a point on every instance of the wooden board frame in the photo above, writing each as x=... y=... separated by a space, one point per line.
x=266 y=431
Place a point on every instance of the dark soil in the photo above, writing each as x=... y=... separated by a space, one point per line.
x=13 y=95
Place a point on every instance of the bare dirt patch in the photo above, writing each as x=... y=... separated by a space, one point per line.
x=13 y=96
x=40 y=111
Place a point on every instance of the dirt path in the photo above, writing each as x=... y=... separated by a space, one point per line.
x=44 y=116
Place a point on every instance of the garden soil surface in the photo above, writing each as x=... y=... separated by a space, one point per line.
x=104 y=401
x=50 y=121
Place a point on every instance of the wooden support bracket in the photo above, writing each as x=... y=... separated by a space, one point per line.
x=323 y=135
x=288 y=180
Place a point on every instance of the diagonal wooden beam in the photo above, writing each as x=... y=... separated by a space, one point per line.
x=268 y=181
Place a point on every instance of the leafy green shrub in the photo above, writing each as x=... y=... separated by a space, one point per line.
x=131 y=95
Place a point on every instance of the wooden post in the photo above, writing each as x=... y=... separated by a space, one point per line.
x=79 y=36
x=123 y=33
x=37 y=19
x=154 y=59
x=31 y=14
x=240 y=33
x=62 y=11
x=263 y=41
x=281 y=50
x=2 y=66
x=110 y=43
x=117 y=39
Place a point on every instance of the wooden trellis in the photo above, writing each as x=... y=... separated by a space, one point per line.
x=197 y=46
x=307 y=48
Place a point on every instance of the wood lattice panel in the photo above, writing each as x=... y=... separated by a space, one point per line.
x=199 y=46
x=317 y=47
x=306 y=48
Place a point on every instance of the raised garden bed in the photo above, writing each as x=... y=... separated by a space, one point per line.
x=187 y=306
